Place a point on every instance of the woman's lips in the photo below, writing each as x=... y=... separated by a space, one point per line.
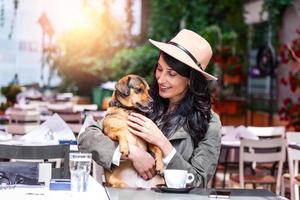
x=163 y=88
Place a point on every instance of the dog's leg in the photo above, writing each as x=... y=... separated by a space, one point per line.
x=159 y=165
x=114 y=181
x=120 y=136
x=124 y=147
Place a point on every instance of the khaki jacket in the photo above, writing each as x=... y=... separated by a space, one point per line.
x=201 y=160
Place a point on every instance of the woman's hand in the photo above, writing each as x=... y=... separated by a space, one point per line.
x=143 y=162
x=145 y=128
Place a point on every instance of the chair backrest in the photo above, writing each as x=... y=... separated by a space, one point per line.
x=268 y=131
x=293 y=138
x=24 y=116
x=262 y=151
x=20 y=129
x=40 y=152
x=72 y=117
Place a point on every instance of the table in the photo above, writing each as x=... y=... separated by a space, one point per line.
x=195 y=194
x=97 y=191
x=94 y=191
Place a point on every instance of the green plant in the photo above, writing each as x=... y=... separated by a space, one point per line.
x=291 y=112
x=84 y=52
x=3 y=106
x=275 y=9
x=10 y=92
x=138 y=60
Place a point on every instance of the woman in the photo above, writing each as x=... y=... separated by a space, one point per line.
x=182 y=124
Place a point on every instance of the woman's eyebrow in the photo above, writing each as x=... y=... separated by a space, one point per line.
x=168 y=68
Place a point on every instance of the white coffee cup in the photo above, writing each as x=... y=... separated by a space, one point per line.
x=176 y=178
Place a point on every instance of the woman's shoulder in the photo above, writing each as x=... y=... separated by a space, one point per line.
x=215 y=117
x=215 y=123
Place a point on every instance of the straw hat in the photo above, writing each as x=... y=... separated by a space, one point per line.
x=189 y=48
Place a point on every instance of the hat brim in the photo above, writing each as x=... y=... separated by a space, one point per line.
x=180 y=55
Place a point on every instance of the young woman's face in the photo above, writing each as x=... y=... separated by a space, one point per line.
x=171 y=85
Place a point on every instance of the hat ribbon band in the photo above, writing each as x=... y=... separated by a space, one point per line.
x=187 y=52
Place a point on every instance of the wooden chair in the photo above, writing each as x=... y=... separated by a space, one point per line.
x=267 y=131
x=75 y=117
x=259 y=151
x=40 y=153
x=22 y=121
x=24 y=116
x=20 y=129
x=293 y=138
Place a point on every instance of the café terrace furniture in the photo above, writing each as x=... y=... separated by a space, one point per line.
x=261 y=151
x=22 y=119
x=228 y=161
x=194 y=194
x=74 y=117
x=44 y=152
x=268 y=131
x=98 y=191
x=20 y=129
x=16 y=115
x=293 y=150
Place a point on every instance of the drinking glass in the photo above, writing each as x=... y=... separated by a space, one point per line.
x=80 y=167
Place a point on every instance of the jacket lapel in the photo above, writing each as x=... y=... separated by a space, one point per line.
x=179 y=134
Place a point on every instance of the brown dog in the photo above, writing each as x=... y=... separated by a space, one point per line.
x=131 y=94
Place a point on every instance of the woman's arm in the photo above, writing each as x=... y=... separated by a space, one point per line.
x=205 y=156
x=145 y=128
x=93 y=140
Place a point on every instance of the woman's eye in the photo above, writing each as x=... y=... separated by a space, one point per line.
x=171 y=73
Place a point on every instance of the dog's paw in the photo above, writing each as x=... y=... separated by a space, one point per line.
x=124 y=152
x=160 y=173
x=159 y=169
x=119 y=185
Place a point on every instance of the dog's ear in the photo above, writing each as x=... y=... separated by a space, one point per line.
x=123 y=87
x=144 y=82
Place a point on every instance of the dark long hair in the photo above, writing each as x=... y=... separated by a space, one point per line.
x=192 y=113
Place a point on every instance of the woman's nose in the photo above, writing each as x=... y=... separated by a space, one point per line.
x=161 y=78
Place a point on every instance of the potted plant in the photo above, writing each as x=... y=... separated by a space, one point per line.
x=290 y=111
x=10 y=92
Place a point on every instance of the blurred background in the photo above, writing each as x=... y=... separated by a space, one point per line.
x=83 y=46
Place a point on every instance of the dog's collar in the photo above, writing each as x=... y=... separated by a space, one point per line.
x=114 y=103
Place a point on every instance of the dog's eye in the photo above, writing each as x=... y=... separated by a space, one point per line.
x=138 y=90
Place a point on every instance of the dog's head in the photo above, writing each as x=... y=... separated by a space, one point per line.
x=132 y=91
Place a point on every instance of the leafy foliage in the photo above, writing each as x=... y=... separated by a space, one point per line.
x=97 y=54
x=86 y=51
x=275 y=9
x=11 y=91
x=139 y=60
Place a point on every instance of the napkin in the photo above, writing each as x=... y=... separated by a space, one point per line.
x=239 y=132
x=243 y=132
x=52 y=130
x=5 y=136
